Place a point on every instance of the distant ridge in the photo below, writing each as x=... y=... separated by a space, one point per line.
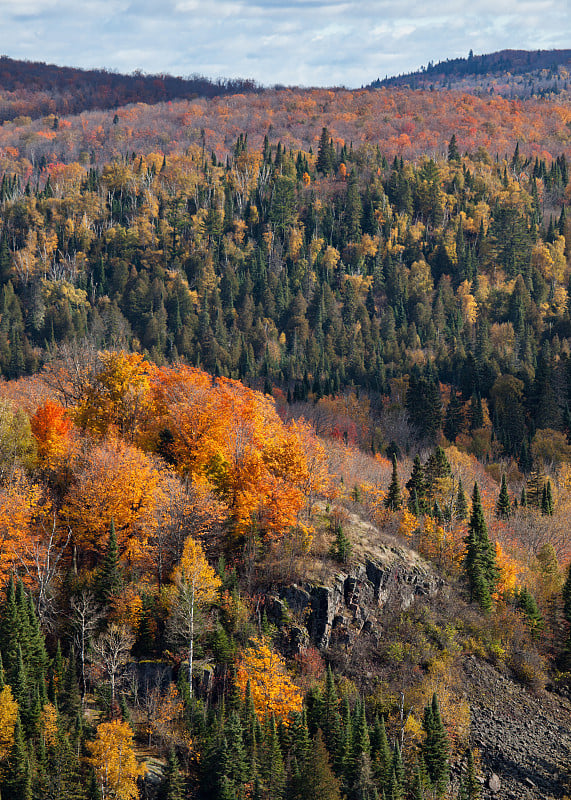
x=481 y=69
x=48 y=89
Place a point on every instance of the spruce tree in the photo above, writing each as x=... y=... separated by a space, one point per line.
x=318 y=780
x=480 y=559
x=173 y=786
x=393 y=500
x=461 y=502
x=109 y=580
x=436 y=749
x=473 y=787
x=503 y=506
x=416 y=486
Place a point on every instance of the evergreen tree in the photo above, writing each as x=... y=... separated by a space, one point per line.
x=318 y=781
x=381 y=754
x=461 y=502
x=16 y=780
x=436 y=749
x=547 y=500
x=453 y=419
x=480 y=559
x=330 y=718
x=109 y=579
x=453 y=152
x=473 y=788
x=393 y=500
x=416 y=486
x=527 y=604
x=503 y=506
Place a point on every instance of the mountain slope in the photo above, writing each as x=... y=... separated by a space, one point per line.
x=511 y=73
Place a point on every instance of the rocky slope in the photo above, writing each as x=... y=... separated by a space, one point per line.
x=523 y=739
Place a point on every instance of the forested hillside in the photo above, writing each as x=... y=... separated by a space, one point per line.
x=285 y=449
x=511 y=73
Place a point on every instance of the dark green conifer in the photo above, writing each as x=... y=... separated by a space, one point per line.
x=173 y=786
x=436 y=749
x=503 y=506
x=461 y=511
x=318 y=781
x=16 y=781
x=393 y=500
x=472 y=786
x=416 y=486
x=480 y=558
x=527 y=604
x=109 y=579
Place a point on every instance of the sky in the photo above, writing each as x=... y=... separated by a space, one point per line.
x=290 y=42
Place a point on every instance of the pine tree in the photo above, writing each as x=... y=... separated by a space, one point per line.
x=393 y=500
x=109 y=580
x=416 y=486
x=503 y=506
x=480 y=558
x=436 y=749
x=461 y=502
x=473 y=787
x=318 y=781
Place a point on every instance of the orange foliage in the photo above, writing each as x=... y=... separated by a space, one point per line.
x=51 y=427
x=116 y=482
x=273 y=691
x=231 y=438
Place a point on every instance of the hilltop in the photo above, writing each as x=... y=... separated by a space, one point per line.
x=511 y=73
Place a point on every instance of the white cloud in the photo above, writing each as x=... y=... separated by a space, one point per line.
x=275 y=41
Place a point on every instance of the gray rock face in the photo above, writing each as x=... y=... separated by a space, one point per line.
x=341 y=609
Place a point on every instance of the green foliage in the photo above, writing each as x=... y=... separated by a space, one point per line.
x=341 y=548
x=436 y=749
x=480 y=559
x=393 y=500
x=503 y=506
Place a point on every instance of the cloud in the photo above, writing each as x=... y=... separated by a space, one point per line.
x=308 y=42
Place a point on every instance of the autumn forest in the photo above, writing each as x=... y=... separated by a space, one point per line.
x=285 y=436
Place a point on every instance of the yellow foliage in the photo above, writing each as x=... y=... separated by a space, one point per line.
x=273 y=691
x=117 y=397
x=195 y=570
x=114 y=761
x=8 y=717
x=467 y=302
x=509 y=572
x=408 y=524
x=49 y=724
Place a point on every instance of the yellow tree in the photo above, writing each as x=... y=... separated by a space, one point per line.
x=273 y=691
x=114 y=761
x=196 y=585
x=8 y=717
x=116 y=398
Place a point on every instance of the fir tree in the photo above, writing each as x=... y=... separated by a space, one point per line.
x=416 y=486
x=461 y=503
x=480 y=559
x=318 y=781
x=547 y=500
x=109 y=580
x=436 y=749
x=503 y=506
x=393 y=500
